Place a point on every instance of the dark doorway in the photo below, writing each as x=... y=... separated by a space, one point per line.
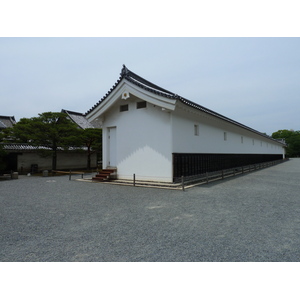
x=11 y=162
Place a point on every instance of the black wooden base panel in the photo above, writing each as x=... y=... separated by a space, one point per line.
x=187 y=164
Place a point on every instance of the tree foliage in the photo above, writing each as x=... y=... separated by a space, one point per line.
x=54 y=130
x=2 y=154
x=49 y=129
x=292 y=139
x=92 y=139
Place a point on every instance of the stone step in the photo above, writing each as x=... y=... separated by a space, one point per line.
x=104 y=174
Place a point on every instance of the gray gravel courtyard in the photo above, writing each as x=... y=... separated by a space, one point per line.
x=254 y=217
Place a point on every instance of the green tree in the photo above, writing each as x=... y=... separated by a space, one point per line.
x=50 y=129
x=2 y=154
x=292 y=139
x=92 y=139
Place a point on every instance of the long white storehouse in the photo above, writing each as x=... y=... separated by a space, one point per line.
x=159 y=136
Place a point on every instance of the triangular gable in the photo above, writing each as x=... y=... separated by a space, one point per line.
x=128 y=86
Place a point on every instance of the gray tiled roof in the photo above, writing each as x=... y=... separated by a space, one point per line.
x=78 y=118
x=8 y=121
x=22 y=147
x=2 y=125
x=148 y=86
x=27 y=147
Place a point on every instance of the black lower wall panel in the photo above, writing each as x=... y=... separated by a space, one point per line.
x=189 y=164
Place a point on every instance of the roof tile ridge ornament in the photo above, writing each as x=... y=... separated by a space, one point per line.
x=124 y=71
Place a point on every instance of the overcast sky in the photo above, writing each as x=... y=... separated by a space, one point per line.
x=254 y=81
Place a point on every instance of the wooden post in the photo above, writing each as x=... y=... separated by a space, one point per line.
x=133 y=179
x=70 y=175
x=182 y=182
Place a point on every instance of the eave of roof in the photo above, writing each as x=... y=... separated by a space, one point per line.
x=78 y=118
x=155 y=89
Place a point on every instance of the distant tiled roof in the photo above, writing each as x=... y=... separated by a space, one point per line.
x=7 y=121
x=155 y=89
x=78 y=118
x=27 y=147
x=2 y=125
x=23 y=147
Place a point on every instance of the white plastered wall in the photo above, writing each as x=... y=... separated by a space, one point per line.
x=211 y=136
x=143 y=141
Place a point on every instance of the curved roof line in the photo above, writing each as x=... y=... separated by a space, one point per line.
x=138 y=81
x=153 y=88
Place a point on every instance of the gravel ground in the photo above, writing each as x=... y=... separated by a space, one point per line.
x=254 y=217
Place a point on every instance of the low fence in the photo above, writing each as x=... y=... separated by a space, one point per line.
x=70 y=173
x=218 y=175
x=182 y=182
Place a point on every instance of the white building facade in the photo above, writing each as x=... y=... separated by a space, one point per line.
x=158 y=135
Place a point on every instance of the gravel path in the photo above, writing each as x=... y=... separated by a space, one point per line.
x=254 y=217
